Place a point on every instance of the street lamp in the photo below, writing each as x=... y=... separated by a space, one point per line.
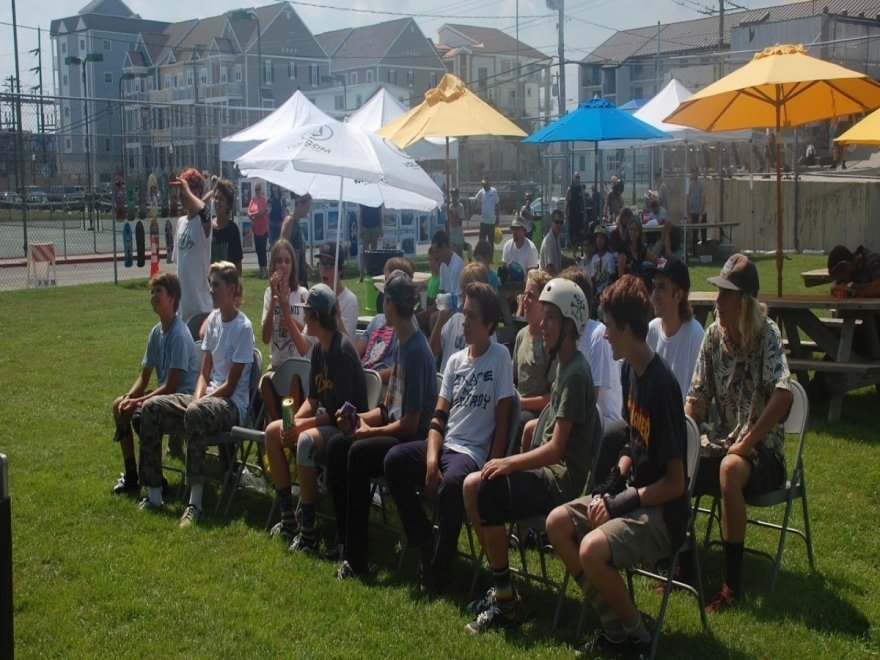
x=81 y=62
x=251 y=15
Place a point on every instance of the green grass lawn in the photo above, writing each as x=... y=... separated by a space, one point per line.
x=95 y=577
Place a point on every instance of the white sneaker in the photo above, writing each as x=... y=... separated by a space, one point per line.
x=190 y=517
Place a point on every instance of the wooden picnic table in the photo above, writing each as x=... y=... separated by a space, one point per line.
x=816 y=277
x=807 y=333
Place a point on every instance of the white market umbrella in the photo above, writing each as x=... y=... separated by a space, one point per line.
x=350 y=156
x=294 y=112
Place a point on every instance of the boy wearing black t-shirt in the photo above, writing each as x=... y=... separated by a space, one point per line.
x=639 y=514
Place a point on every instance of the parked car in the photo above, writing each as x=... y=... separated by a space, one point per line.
x=540 y=207
x=36 y=196
x=10 y=198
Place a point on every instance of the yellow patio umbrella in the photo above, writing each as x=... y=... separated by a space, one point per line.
x=781 y=87
x=449 y=110
x=866 y=131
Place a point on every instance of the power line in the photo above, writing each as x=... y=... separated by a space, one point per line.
x=407 y=14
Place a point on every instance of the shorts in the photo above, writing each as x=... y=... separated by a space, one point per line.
x=639 y=537
x=768 y=473
x=515 y=496
x=456 y=237
x=371 y=234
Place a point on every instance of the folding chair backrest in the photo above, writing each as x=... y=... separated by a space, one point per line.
x=513 y=424
x=254 y=383
x=796 y=422
x=292 y=367
x=539 y=428
x=692 y=463
x=374 y=387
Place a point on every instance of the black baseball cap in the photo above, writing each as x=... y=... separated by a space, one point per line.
x=676 y=270
x=321 y=299
x=328 y=251
x=838 y=258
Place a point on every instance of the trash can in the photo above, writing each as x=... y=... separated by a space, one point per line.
x=374 y=264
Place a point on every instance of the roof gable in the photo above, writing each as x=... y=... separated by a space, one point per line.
x=487 y=41
x=108 y=8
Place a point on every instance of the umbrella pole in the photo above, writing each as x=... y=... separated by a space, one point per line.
x=448 y=181
x=338 y=237
x=778 y=203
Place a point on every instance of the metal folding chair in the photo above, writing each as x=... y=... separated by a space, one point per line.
x=795 y=488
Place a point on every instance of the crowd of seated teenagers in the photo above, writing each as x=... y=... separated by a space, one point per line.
x=453 y=455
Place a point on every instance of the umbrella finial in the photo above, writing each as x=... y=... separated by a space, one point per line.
x=449 y=89
x=781 y=49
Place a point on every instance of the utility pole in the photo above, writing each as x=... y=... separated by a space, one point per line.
x=19 y=136
x=559 y=6
x=38 y=51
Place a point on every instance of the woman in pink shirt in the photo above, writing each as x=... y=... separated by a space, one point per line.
x=258 y=212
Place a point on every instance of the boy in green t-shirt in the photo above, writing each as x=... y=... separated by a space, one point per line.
x=534 y=482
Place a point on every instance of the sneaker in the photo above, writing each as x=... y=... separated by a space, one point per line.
x=481 y=604
x=190 y=517
x=629 y=647
x=501 y=615
x=284 y=532
x=146 y=505
x=125 y=486
x=345 y=571
x=304 y=545
x=337 y=553
x=723 y=600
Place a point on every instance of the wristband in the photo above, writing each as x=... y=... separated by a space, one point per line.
x=442 y=415
x=612 y=485
x=622 y=503
x=434 y=426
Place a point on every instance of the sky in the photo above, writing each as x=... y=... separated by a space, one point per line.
x=587 y=22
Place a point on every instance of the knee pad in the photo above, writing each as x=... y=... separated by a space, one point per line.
x=493 y=501
x=305 y=451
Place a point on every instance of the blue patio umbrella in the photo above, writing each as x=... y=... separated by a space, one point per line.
x=596 y=120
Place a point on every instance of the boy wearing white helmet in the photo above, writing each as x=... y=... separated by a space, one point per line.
x=549 y=474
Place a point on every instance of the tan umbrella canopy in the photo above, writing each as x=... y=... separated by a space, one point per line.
x=782 y=86
x=866 y=131
x=449 y=110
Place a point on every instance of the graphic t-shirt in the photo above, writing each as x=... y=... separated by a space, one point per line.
x=413 y=383
x=193 y=255
x=281 y=345
x=337 y=376
x=226 y=244
x=381 y=342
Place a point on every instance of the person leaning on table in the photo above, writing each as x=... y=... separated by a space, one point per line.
x=742 y=373
x=855 y=274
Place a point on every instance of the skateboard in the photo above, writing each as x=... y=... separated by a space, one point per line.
x=175 y=192
x=126 y=244
x=153 y=196
x=169 y=240
x=131 y=199
x=154 y=247
x=163 y=194
x=139 y=240
x=142 y=195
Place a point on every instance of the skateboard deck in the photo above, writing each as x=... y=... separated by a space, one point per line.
x=154 y=247
x=153 y=196
x=139 y=239
x=169 y=240
x=126 y=244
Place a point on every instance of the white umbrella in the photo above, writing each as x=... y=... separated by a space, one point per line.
x=354 y=157
x=294 y=112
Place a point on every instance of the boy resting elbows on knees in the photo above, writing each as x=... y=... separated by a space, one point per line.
x=171 y=351
x=639 y=514
x=218 y=403
x=534 y=482
x=470 y=424
x=336 y=377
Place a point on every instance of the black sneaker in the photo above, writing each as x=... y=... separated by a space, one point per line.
x=284 y=531
x=304 y=544
x=126 y=486
x=499 y=616
x=481 y=604
x=629 y=647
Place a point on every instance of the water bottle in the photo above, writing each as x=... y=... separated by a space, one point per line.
x=447 y=301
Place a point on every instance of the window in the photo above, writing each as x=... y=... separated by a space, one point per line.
x=291 y=70
x=637 y=92
x=203 y=75
x=189 y=77
x=223 y=75
x=108 y=77
x=410 y=78
x=314 y=75
x=238 y=73
x=353 y=78
x=434 y=79
x=106 y=144
x=506 y=66
x=392 y=77
x=82 y=45
x=338 y=102
x=482 y=77
x=370 y=75
x=63 y=48
x=107 y=44
x=268 y=72
x=64 y=80
x=167 y=81
x=68 y=146
x=358 y=100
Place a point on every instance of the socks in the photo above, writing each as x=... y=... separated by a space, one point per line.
x=155 y=495
x=612 y=626
x=285 y=501
x=307 y=521
x=131 y=471
x=503 y=585
x=195 y=495
x=733 y=559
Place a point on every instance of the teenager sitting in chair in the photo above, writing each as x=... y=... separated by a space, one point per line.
x=640 y=512
x=219 y=402
x=534 y=482
x=742 y=374
x=354 y=456
x=172 y=352
x=336 y=377
x=470 y=424
x=447 y=336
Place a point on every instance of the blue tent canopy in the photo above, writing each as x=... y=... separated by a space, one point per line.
x=595 y=120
